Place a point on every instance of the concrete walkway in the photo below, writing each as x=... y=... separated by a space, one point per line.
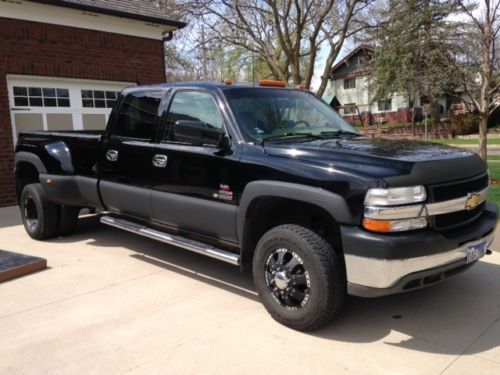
x=115 y=303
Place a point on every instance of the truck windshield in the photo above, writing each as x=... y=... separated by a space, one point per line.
x=272 y=114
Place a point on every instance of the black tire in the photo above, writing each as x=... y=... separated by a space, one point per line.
x=40 y=217
x=320 y=278
x=68 y=219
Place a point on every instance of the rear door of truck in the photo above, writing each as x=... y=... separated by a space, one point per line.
x=126 y=154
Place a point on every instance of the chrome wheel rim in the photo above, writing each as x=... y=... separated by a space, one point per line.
x=30 y=213
x=287 y=279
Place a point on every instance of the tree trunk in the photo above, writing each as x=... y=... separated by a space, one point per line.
x=325 y=77
x=483 y=142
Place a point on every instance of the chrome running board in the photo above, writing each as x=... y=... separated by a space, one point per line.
x=185 y=243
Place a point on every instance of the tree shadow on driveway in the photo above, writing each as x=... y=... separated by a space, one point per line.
x=448 y=318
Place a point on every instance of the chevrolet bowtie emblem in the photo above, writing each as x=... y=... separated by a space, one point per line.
x=473 y=200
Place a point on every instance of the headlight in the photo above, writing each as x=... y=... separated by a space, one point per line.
x=395 y=196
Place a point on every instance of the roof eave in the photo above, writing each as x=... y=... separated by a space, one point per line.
x=116 y=13
x=350 y=55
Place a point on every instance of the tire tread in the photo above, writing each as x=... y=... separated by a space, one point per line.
x=332 y=275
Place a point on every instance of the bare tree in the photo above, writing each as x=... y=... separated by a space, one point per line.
x=287 y=35
x=475 y=62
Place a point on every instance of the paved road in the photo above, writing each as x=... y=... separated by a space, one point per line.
x=114 y=303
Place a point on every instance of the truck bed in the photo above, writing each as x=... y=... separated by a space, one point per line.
x=83 y=147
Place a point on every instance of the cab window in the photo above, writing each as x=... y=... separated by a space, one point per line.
x=198 y=108
x=136 y=116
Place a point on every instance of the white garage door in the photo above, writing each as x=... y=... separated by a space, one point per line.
x=58 y=104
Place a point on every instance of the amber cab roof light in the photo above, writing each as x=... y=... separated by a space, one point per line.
x=271 y=83
x=228 y=82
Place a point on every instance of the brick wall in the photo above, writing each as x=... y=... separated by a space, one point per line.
x=33 y=48
x=407 y=132
x=402 y=115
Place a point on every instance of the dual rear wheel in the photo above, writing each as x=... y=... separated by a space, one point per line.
x=44 y=219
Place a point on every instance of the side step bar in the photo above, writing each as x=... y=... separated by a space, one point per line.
x=185 y=243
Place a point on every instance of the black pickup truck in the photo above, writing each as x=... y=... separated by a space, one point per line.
x=270 y=178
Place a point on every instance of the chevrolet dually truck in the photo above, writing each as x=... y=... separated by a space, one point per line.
x=269 y=178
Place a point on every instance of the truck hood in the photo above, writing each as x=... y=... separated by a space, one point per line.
x=398 y=162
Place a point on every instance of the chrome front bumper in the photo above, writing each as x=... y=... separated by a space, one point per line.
x=383 y=273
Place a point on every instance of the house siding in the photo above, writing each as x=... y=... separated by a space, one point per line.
x=361 y=96
x=39 y=49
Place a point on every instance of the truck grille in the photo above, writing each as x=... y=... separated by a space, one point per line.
x=455 y=219
x=444 y=192
x=448 y=191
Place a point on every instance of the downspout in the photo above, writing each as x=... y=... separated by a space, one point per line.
x=167 y=37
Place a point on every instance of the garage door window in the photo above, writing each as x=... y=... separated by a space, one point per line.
x=98 y=98
x=41 y=97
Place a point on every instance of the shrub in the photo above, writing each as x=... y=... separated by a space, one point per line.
x=494 y=120
x=464 y=123
x=397 y=124
x=430 y=121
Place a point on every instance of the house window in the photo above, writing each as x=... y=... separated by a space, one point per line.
x=364 y=59
x=41 y=97
x=99 y=98
x=349 y=109
x=350 y=83
x=385 y=105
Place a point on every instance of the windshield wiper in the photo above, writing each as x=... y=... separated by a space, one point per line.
x=338 y=133
x=290 y=134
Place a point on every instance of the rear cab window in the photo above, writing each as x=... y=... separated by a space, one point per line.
x=136 y=117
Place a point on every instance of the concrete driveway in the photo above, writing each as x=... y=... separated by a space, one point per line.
x=115 y=303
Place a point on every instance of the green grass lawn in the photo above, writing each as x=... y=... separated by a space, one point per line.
x=492 y=141
x=494 y=192
x=494 y=171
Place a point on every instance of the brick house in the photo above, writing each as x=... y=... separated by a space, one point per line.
x=62 y=63
x=350 y=85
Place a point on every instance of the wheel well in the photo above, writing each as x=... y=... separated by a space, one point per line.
x=268 y=212
x=26 y=173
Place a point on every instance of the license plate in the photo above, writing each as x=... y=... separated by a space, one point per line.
x=474 y=252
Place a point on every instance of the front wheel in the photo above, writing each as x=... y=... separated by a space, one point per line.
x=299 y=277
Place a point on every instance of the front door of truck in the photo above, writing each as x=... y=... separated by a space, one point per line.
x=194 y=184
x=126 y=154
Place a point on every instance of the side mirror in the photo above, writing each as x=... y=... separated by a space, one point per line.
x=199 y=133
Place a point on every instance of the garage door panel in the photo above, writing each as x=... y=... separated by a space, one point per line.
x=94 y=121
x=26 y=122
x=59 y=121
x=60 y=104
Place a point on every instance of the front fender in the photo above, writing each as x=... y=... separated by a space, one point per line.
x=334 y=204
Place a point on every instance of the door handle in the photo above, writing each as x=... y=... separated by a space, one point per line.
x=112 y=155
x=160 y=161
